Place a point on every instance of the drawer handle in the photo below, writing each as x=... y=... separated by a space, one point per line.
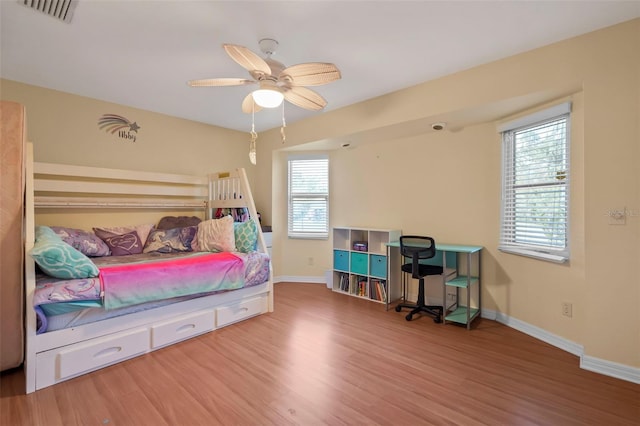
x=108 y=352
x=185 y=327
x=244 y=309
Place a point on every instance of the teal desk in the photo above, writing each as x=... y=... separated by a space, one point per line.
x=466 y=277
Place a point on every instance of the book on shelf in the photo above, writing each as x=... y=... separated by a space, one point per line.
x=344 y=282
x=362 y=286
x=378 y=290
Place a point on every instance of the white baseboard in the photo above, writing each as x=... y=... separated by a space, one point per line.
x=597 y=365
x=299 y=279
x=537 y=332
x=609 y=368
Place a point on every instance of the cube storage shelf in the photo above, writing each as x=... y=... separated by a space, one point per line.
x=361 y=267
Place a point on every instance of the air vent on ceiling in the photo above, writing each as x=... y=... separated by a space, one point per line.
x=59 y=9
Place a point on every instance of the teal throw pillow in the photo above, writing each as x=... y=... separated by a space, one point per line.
x=246 y=234
x=58 y=259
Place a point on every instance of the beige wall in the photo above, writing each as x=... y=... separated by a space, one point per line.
x=447 y=184
x=400 y=174
x=64 y=129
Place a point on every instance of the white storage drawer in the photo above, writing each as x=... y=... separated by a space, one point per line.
x=182 y=328
x=229 y=314
x=100 y=352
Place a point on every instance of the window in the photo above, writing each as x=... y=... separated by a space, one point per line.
x=308 y=196
x=535 y=185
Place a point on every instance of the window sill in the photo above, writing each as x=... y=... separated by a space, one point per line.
x=308 y=237
x=555 y=258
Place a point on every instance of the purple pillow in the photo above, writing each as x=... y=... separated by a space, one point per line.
x=85 y=242
x=124 y=244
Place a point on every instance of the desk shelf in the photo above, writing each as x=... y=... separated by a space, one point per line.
x=459 y=315
x=467 y=282
x=462 y=281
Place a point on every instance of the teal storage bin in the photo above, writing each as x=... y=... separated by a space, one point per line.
x=378 y=266
x=341 y=260
x=360 y=263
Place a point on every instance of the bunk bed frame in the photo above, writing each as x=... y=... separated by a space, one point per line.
x=56 y=356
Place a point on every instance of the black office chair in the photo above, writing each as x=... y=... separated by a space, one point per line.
x=419 y=248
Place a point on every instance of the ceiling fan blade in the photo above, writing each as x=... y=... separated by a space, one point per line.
x=310 y=74
x=219 y=82
x=246 y=58
x=304 y=98
x=249 y=105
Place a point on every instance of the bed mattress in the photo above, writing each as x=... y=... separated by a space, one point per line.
x=67 y=303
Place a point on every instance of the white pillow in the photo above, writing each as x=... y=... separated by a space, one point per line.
x=216 y=235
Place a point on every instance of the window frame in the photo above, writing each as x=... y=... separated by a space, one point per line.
x=508 y=242
x=309 y=234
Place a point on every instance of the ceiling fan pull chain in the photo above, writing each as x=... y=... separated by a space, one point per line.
x=254 y=136
x=284 y=124
x=252 y=148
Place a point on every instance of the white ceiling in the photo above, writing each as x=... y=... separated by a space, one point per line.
x=141 y=53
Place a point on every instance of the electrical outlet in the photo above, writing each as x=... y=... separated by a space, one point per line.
x=567 y=309
x=618 y=216
x=310 y=261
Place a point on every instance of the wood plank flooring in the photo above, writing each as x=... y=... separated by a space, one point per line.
x=327 y=359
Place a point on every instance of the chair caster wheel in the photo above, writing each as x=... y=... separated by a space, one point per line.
x=409 y=317
x=398 y=308
x=437 y=320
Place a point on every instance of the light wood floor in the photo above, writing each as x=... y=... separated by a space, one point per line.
x=325 y=358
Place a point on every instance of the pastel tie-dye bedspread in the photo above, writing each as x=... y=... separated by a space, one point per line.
x=130 y=284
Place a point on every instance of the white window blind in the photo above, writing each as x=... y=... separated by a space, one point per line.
x=308 y=197
x=535 y=187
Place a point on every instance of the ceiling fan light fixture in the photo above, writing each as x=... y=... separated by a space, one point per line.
x=277 y=82
x=267 y=98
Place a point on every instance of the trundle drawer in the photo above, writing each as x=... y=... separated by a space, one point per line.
x=228 y=314
x=100 y=352
x=182 y=328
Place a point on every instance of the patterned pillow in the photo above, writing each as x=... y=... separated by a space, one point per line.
x=125 y=244
x=58 y=259
x=216 y=235
x=85 y=242
x=246 y=235
x=171 y=240
x=142 y=230
x=170 y=222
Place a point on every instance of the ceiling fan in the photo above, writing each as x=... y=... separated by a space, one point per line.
x=276 y=82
